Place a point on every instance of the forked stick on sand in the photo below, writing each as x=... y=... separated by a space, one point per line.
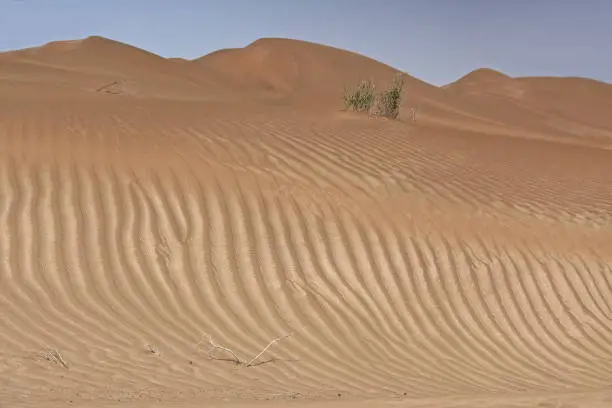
x=237 y=359
x=55 y=356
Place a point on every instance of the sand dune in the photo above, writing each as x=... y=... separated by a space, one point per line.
x=301 y=72
x=574 y=106
x=462 y=260
x=99 y=65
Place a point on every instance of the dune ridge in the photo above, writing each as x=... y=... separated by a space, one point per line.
x=433 y=263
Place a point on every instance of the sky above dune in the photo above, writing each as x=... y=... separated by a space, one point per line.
x=437 y=41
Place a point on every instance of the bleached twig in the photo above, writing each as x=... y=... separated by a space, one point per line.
x=214 y=345
x=56 y=357
x=250 y=363
x=239 y=360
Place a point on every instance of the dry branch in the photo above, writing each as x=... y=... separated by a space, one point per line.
x=55 y=356
x=236 y=358
x=250 y=363
x=109 y=85
x=215 y=346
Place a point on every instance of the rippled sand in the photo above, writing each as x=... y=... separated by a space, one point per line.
x=459 y=260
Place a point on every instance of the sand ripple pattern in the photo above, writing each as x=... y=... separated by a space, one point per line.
x=249 y=239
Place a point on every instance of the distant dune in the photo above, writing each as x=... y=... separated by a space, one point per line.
x=152 y=208
x=578 y=103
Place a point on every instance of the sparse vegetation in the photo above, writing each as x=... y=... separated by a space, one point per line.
x=56 y=357
x=361 y=97
x=386 y=103
x=234 y=357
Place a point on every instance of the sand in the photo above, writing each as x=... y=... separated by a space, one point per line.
x=149 y=205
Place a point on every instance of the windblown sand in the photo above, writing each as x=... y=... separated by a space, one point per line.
x=460 y=260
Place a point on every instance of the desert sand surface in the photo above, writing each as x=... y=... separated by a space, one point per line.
x=148 y=205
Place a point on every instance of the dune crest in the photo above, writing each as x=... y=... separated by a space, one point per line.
x=490 y=82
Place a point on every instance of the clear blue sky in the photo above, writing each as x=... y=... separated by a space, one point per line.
x=435 y=40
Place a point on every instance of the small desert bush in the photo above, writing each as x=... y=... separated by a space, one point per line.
x=388 y=102
x=361 y=97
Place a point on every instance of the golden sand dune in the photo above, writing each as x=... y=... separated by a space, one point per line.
x=299 y=71
x=462 y=260
x=99 y=65
x=577 y=107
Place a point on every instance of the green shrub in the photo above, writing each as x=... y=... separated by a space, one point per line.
x=359 y=98
x=388 y=102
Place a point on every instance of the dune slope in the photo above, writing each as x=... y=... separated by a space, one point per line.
x=409 y=263
x=97 y=65
x=576 y=107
